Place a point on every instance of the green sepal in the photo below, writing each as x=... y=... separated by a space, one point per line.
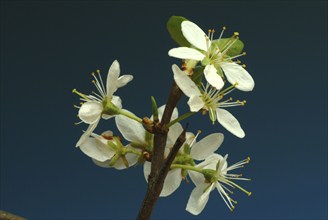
x=109 y=108
x=174 y=27
x=210 y=175
x=154 y=108
x=234 y=50
x=186 y=149
x=198 y=75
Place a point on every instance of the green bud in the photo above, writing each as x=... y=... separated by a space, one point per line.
x=154 y=108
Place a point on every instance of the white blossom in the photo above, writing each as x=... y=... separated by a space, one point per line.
x=214 y=59
x=92 y=110
x=209 y=99
x=222 y=181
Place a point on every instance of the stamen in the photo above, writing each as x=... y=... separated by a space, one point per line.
x=101 y=81
x=77 y=123
x=98 y=84
x=194 y=138
x=234 y=57
x=223 y=29
x=80 y=94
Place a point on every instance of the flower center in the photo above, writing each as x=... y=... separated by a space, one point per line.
x=213 y=99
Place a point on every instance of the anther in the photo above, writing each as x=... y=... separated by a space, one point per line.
x=224 y=28
x=249 y=193
x=98 y=71
x=244 y=65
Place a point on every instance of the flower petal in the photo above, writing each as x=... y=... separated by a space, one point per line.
x=116 y=100
x=199 y=198
x=97 y=149
x=194 y=35
x=209 y=163
x=132 y=158
x=104 y=164
x=130 y=129
x=196 y=177
x=229 y=122
x=123 y=80
x=161 y=109
x=173 y=134
x=237 y=74
x=87 y=133
x=146 y=169
x=90 y=112
x=186 y=53
x=207 y=146
x=189 y=88
x=195 y=103
x=213 y=77
x=172 y=182
x=112 y=77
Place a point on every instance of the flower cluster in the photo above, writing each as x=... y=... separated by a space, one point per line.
x=196 y=159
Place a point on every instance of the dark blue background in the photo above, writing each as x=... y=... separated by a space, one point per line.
x=49 y=48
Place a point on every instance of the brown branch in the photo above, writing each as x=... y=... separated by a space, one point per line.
x=8 y=216
x=175 y=149
x=157 y=176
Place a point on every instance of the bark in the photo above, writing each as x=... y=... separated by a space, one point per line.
x=160 y=166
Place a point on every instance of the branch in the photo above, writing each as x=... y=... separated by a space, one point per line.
x=8 y=216
x=157 y=176
x=175 y=149
x=161 y=131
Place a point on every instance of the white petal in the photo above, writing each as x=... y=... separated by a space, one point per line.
x=237 y=74
x=104 y=164
x=186 y=53
x=222 y=169
x=97 y=150
x=112 y=77
x=194 y=34
x=87 y=133
x=123 y=80
x=146 y=169
x=212 y=77
x=198 y=199
x=174 y=116
x=116 y=100
x=132 y=158
x=90 y=112
x=195 y=103
x=196 y=177
x=229 y=122
x=174 y=133
x=189 y=88
x=172 y=182
x=130 y=129
x=207 y=146
x=119 y=164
